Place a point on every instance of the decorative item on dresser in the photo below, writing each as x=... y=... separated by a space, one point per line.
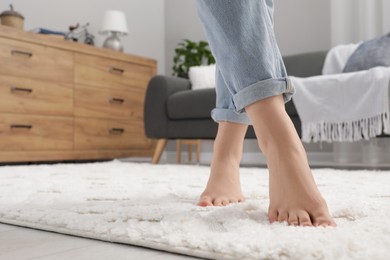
x=114 y=24
x=67 y=101
x=12 y=18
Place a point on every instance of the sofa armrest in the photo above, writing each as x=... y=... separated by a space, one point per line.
x=305 y=65
x=155 y=109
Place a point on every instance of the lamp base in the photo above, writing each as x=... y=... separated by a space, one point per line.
x=113 y=42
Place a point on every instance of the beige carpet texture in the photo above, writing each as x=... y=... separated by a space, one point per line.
x=155 y=206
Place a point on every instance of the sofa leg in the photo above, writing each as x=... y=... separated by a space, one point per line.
x=161 y=143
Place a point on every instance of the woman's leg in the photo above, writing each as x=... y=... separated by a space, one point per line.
x=242 y=39
x=293 y=193
x=224 y=186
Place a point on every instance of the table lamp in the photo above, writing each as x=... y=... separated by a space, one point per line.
x=115 y=25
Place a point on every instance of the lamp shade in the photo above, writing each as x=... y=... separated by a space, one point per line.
x=114 y=21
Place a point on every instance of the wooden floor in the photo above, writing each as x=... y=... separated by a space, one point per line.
x=18 y=243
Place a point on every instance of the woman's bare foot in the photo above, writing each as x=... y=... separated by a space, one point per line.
x=224 y=185
x=294 y=196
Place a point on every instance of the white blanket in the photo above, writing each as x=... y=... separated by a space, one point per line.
x=337 y=58
x=343 y=107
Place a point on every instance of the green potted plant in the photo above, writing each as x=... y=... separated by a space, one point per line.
x=189 y=54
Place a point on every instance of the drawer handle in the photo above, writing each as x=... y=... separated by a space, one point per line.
x=27 y=127
x=117 y=101
x=116 y=131
x=22 y=90
x=116 y=70
x=22 y=53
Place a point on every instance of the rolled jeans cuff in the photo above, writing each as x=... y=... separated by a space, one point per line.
x=229 y=115
x=262 y=90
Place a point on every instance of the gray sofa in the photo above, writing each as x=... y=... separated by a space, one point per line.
x=174 y=111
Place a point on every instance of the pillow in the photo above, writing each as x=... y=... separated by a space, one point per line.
x=369 y=54
x=202 y=76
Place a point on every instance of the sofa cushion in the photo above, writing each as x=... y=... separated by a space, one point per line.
x=191 y=104
x=305 y=65
x=370 y=54
x=197 y=104
x=207 y=129
x=197 y=129
x=202 y=77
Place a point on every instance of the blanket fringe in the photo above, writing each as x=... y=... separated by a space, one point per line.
x=346 y=131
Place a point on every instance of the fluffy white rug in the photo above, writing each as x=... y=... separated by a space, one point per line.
x=154 y=206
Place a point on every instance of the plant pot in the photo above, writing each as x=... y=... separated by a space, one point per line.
x=13 y=21
x=12 y=18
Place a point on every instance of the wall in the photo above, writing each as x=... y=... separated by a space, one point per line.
x=358 y=20
x=181 y=22
x=385 y=16
x=145 y=21
x=300 y=25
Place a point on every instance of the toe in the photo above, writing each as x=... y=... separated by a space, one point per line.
x=217 y=202
x=323 y=219
x=272 y=215
x=293 y=219
x=304 y=219
x=205 y=201
x=225 y=202
x=283 y=216
x=324 y=222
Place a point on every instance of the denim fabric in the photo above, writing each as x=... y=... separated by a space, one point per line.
x=249 y=64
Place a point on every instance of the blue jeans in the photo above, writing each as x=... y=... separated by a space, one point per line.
x=249 y=64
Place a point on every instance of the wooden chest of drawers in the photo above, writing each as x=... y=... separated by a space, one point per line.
x=67 y=101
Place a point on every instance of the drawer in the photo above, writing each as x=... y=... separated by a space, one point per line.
x=108 y=103
x=19 y=132
x=109 y=73
x=24 y=59
x=109 y=134
x=27 y=96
